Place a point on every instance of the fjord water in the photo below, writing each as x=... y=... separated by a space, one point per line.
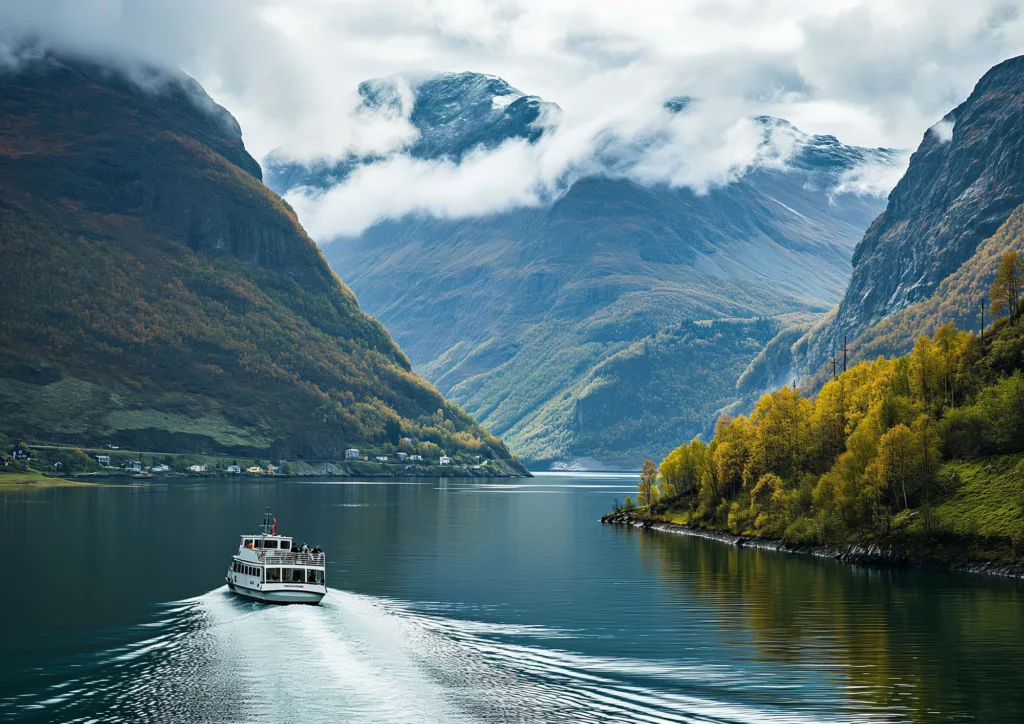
x=453 y=600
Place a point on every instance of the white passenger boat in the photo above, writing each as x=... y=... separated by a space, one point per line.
x=270 y=567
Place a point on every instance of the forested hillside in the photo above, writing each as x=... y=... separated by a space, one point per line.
x=661 y=388
x=156 y=294
x=923 y=446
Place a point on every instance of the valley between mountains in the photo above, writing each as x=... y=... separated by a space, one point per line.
x=601 y=327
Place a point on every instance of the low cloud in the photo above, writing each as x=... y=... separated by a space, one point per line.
x=709 y=145
x=943 y=130
x=483 y=183
x=875 y=178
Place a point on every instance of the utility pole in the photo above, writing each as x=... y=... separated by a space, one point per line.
x=844 y=353
x=833 y=367
x=982 y=335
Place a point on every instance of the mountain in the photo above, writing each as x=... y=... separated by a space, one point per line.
x=157 y=295
x=540 y=307
x=452 y=114
x=930 y=257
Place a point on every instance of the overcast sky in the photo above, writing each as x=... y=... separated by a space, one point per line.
x=872 y=73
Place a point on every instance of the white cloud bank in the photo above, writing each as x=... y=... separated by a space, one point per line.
x=708 y=146
x=872 y=72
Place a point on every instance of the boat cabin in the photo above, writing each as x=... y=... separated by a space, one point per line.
x=274 y=559
x=270 y=542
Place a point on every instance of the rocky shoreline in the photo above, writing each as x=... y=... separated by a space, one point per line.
x=868 y=554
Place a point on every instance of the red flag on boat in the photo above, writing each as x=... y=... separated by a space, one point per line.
x=273 y=531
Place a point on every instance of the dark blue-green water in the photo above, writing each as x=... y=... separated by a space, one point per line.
x=479 y=601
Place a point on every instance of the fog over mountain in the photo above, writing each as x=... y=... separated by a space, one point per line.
x=530 y=312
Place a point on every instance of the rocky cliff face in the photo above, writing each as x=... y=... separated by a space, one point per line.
x=115 y=170
x=963 y=182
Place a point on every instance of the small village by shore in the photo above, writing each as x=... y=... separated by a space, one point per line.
x=112 y=462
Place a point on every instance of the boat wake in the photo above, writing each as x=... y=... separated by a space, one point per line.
x=358 y=658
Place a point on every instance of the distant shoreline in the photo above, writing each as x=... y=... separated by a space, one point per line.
x=221 y=475
x=889 y=555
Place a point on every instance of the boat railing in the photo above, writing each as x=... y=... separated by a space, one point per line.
x=280 y=558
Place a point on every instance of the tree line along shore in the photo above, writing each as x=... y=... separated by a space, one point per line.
x=923 y=452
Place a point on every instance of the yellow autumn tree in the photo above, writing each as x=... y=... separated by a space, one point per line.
x=1005 y=291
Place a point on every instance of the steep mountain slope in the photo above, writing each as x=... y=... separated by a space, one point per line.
x=930 y=257
x=534 y=301
x=157 y=294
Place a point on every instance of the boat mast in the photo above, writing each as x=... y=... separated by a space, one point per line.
x=266 y=523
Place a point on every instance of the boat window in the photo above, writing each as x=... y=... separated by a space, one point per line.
x=273 y=575
x=270 y=544
x=294 y=575
x=248 y=543
x=314 y=575
x=286 y=544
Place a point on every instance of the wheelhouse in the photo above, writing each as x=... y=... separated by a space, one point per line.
x=267 y=543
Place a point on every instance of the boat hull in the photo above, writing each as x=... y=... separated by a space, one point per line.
x=309 y=596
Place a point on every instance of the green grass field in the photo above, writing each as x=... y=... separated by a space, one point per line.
x=34 y=479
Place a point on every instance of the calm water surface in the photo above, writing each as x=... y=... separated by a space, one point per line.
x=458 y=601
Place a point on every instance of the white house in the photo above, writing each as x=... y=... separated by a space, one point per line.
x=382 y=458
x=402 y=455
x=417 y=458
x=445 y=460
x=197 y=468
x=133 y=466
x=103 y=459
x=352 y=454
x=161 y=468
x=234 y=469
